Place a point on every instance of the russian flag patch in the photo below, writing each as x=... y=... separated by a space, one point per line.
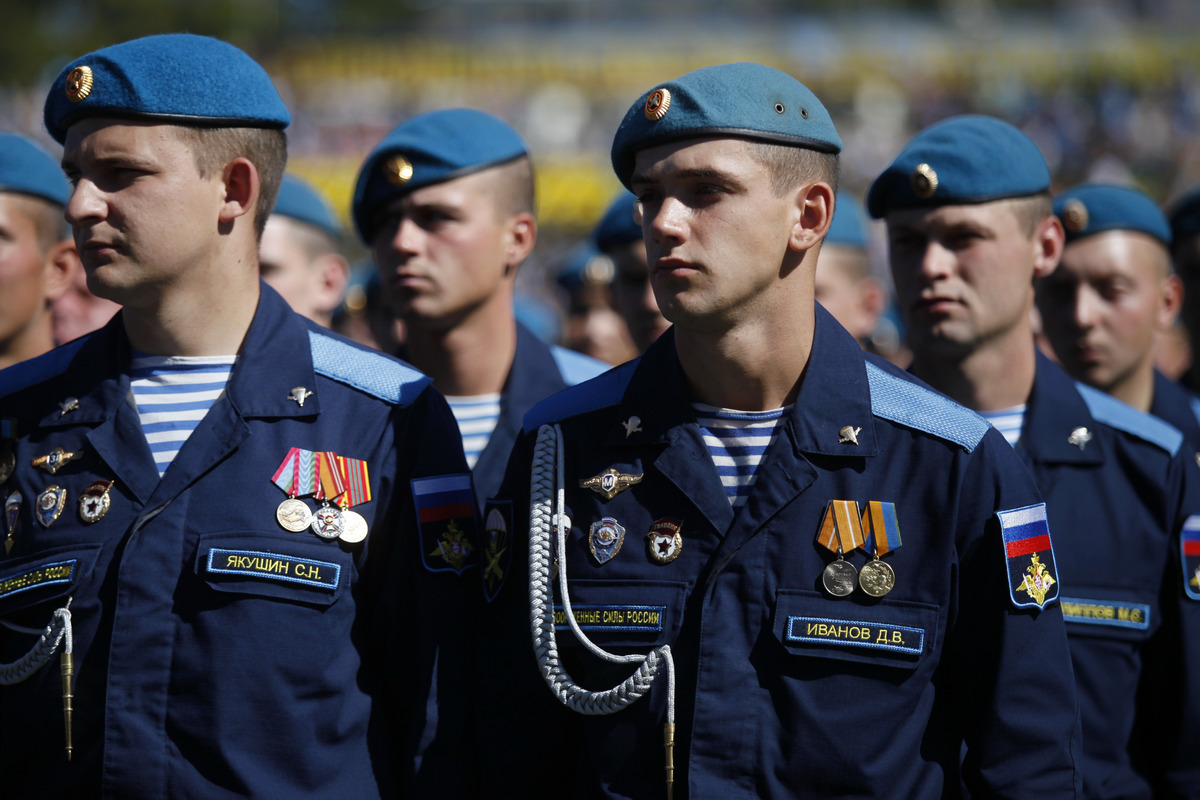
x=1032 y=573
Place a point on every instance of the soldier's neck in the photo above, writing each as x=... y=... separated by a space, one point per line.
x=988 y=378
x=467 y=359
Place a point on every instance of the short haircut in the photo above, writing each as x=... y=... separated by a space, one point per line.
x=49 y=224
x=1031 y=210
x=314 y=241
x=790 y=166
x=514 y=188
x=266 y=148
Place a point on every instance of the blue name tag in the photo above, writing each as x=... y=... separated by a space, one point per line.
x=43 y=575
x=638 y=619
x=855 y=633
x=1114 y=613
x=274 y=567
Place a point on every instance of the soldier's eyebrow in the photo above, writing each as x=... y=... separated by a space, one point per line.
x=689 y=173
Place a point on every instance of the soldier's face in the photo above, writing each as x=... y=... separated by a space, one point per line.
x=963 y=274
x=442 y=251
x=143 y=218
x=25 y=273
x=1104 y=306
x=716 y=234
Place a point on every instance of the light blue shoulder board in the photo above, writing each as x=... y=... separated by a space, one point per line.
x=914 y=406
x=600 y=392
x=576 y=367
x=24 y=374
x=1115 y=414
x=1194 y=402
x=366 y=370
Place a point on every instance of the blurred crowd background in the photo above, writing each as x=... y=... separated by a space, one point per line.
x=1110 y=89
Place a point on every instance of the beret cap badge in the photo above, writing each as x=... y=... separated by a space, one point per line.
x=79 y=83
x=924 y=181
x=1075 y=215
x=398 y=170
x=657 y=104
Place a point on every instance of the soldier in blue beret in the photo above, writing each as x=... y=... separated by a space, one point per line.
x=1184 y=217
x=971 y=226
x=619 y=236
x=299 y=253
x=1113 y=296
x=38 y=262
x=446 y=204
x=844 y=284
x=775 y=554
x=224 y=521
x=592 y=325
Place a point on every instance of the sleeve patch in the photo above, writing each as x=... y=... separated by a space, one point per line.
x=445 y=506
x=1189 y=545
x=1029 y=554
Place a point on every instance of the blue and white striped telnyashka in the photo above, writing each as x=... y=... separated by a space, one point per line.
x=737 y=440
x=1008 y=421
x=477 y=417
x=172 y=395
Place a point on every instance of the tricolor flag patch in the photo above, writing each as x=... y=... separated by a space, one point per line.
x=1032 y=573
x=445 y=507
x=1189 y=544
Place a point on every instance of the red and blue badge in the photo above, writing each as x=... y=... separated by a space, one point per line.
x=1032 y=573
x=497 y=546
x=445 y=507
x=1189 y=544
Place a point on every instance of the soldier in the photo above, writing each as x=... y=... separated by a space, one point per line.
x=970 y=228
x=844 y=283
x=802 y=551
x=619 y=236
x=254 y=529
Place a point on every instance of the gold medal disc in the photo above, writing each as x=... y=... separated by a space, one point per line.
x=356 y=527
x=877 y=578
x=839 y=578
x=294 y=515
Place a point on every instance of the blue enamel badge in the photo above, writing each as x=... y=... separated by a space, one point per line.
x=605 y=539
x=497 y=550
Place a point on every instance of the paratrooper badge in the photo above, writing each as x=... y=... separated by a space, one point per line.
x=497 y=550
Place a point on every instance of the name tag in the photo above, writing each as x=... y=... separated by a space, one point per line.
x=44 y=575
x=1114 y=613
x=274 y=567
x=635 y=619
x=855 y=633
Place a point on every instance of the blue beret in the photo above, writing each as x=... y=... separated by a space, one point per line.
x=28 y=169
x=1185 y=216
x=746 y=100
x=175 y=78
x=960 y=161
x=849 y=226
x=1092 y=208
x=301 y=201
x=617 y=227
x=585 y=265
x=430 y=148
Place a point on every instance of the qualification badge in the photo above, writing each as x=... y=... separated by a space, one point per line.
x=53 y=461
x=1032 y=574
x=496 y=551
x=664 y=540
x=1189 y=544
x=610 y=483
x=50 y=504
x=605 y=539
x=94 y=502
x=12 y=511
x=841 y=533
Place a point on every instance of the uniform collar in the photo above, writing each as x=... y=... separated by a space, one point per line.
x=275 y=359
x=533 y=375
x=1054 y=417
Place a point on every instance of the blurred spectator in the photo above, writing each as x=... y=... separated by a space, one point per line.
x=844 y=283
x=1185 y=256
x=77 y=311
x=593 y=326
x=619 y=236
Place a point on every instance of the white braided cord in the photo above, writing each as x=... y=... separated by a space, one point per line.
x=546 y=511
x=58 y=632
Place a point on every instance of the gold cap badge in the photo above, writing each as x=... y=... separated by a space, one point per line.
x=657 y=104
x=1075 y=215
x=924 y=181
x=398 y=170
x=79 y=84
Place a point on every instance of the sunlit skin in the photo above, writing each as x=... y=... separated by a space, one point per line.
x=31 y=277
x=312 y=286
x=633 y=294
x=964 y=283
x=447 y=260
x=77 y=311
x=731 y=263
x=178 y=251
x=1104 y=309
x=855 y=302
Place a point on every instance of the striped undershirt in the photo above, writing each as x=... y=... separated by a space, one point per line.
x=172 y=394
x=1008 y=421
x=477 y=417
x=737 y=441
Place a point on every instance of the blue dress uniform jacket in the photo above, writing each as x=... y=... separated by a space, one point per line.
x=783 y=690
x=1177 y=406
x=1119 y=485
x=538 y=371
x=217 y=654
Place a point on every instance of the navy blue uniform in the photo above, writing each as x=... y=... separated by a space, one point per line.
x=784 y=690
x=1174 y=404
x=216 y=653
x=1119 y=486
x=538 y=371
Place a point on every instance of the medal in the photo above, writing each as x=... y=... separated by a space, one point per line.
x=876 y=578
x=50 y=504
x=293 y=514
x=356 y=527
x=883 y=536
x=328 y=522
x=839 y=577
x=94 y=502
x=664 y=541
x=12 y=510
x=294 y=473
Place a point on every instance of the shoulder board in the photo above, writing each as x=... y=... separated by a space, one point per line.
x=24 y=374
x=1194 y=404
x=1115 y=414
x=912 y=405
x=367 y=370
x=576 y=367
x=600 y=392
